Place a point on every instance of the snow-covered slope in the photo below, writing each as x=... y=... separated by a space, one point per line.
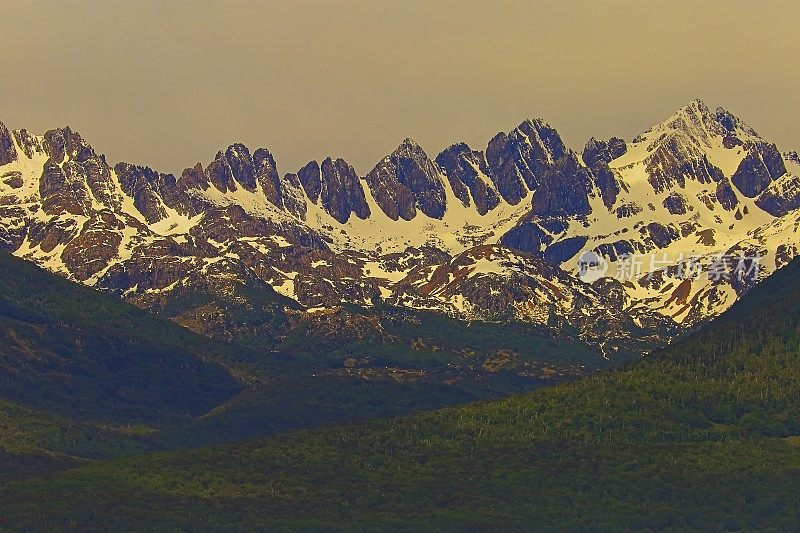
x=488 y=235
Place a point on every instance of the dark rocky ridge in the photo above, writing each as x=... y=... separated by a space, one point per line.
x=597 y=151
x=311 y=179
x=147 y=188
x=597 y=155
x=341 y=191
x=234 y=235
x=518 y=160
x=465 y=169
x=408 y=180
x=762 y=165
x=8 y=153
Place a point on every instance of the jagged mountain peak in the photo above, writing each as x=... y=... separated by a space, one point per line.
x=61 y=143
x=697 y=122
x=537 y=130
x=700 y=145
x=692 y=119
x=532 y=124
x=597 y=150
x=734 y=124
x=407 y=180
x=410 y=144
x=8 y=152
x=697 y=105
x=412 y=150
x=680 y=186
x=698 y=111
x=457 y=147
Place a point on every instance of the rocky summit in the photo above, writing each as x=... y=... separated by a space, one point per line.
x=492 y=235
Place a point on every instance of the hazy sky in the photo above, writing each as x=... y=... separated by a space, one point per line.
x=169 y=82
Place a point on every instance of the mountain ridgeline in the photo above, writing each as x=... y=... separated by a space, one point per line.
x=489 y=235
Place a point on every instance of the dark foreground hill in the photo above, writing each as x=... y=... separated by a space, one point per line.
x=703 y=435
x=69 y=349
x=86 y=377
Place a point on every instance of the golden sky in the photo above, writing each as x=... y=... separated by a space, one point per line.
x=167 y=83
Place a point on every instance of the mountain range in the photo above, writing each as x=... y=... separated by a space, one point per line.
x=490 y=235
x=519 y=337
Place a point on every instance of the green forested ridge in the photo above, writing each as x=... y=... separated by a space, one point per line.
x=35 y=443
x=304 y=402
x=702 y=435
x=71 y=350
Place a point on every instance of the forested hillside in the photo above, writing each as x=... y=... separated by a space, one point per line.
x=702 y=435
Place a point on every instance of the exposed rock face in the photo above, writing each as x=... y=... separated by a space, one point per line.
x=533 y=235
x=597 y=155
x=93 y=249
x=607 y=183
x=62 y=190
x=659 y=234
x=762 y=165
x=29 y=144
x=679 y=153
x=518 y=160
x=64 y=143
x=726 y=195
x=13 y=179
x=474 y=250
x=672 y=164
x=294 y=200
x=615 y=250
x=628 y=210
x=8 y=153
x=242 y=167
x=597 y=151
x=311 y=179
x=467 y=172
x=408 y=180
x=394 y=198
x=504 y=160
x=75 y=177
x=267 y=176
x=564 y=250
x=731 y=127
x=341 y=191
x=220 y=175
x=533 y=158
x=561 y=188
x=236 y=168
x=676 y=204
x=182 y=196
x=781 y=197
x=564 y=189
x=143 y=185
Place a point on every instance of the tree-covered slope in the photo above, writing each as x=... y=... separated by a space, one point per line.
x=68 y=349
x=705 y=434
x=36 y=443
